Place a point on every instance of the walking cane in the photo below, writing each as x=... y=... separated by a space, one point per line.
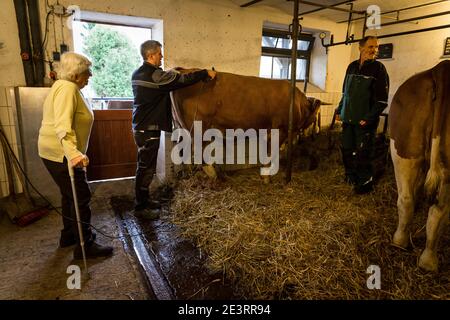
x=77 y=212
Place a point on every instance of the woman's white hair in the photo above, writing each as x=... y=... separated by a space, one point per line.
x=72 y=65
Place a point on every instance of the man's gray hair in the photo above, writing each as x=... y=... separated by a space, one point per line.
x=149 y=47
x=72 y=65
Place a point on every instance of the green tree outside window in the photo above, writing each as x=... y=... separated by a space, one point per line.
x=114 y=59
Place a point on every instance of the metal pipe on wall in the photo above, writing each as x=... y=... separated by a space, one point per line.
x=413 y=31
x=35 y=28
x=349 y=19
x=387 y=35
x=295 y=27
x=329 y=7
x=364 y=28
x=332 y=7
x=415 y=18
x=25 y=42
x=399 y=10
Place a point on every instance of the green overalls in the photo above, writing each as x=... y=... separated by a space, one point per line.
x=365 y=95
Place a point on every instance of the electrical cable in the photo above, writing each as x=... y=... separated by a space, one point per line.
x=46 y=31
x=3 y=136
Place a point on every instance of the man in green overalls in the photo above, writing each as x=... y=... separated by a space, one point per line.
x=365 y=95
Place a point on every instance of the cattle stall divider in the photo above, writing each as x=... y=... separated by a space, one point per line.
x=294 y=34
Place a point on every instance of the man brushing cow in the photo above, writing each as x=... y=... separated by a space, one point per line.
x=151 y=115
x=365 y=95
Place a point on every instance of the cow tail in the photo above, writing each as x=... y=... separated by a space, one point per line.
x=433 y=177
x=440 y=96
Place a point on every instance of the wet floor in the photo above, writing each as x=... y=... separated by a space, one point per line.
x=178 y=261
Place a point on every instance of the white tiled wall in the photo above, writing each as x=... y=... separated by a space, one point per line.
x=8 y=125
x=327 y=111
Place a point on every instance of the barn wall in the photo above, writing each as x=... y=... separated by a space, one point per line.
x=206 y=33
x=10 y=63
x=197 y=33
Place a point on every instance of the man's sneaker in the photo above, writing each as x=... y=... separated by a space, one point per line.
x=147 y=214
x=93 y=250
x=70 y=241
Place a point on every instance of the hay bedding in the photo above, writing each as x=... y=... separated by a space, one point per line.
x=311 y=239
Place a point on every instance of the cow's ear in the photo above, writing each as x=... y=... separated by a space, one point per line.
x=317 y=104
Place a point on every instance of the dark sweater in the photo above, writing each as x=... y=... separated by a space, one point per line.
x=151 y=90
x=365 y=92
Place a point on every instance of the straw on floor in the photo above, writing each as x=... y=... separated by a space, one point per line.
x=311 y=239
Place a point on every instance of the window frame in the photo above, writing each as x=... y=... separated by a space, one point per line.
x=287 y=53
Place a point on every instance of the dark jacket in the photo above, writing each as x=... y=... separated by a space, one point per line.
x=365 y=92
x=151 y=90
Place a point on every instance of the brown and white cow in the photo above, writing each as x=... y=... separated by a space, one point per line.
x=234 y=101
x=420 y=148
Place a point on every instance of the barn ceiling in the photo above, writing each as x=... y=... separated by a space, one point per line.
x=334 y=15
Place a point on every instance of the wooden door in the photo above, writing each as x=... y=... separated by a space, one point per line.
x=112 y=151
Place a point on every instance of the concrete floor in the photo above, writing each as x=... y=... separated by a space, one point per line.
x=34 y=267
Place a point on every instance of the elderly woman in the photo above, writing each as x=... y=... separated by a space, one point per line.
x=64 y=136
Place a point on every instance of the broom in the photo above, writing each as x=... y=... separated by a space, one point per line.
x=20 y=208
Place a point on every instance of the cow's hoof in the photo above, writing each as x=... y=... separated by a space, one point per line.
x=401 y=239
x=210 y=171
x=428 y=261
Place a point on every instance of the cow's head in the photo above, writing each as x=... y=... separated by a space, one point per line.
x=312 y=106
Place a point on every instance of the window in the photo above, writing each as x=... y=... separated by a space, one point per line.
x=112 y=43
x=276 y=55
x=114 y=52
